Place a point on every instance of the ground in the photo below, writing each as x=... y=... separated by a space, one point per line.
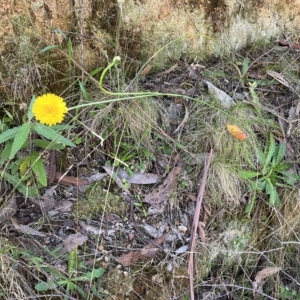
x=124 y=208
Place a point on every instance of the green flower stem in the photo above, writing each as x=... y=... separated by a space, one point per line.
x=129 y=96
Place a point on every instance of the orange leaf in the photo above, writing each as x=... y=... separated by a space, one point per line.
x=236 y=132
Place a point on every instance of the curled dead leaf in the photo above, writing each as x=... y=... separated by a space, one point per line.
x=260 y=276
x=236 y=132
x=145 y=253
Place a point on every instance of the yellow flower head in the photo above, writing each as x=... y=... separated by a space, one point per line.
x=49 y=109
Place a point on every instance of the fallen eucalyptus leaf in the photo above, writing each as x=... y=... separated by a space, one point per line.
x=225 y=100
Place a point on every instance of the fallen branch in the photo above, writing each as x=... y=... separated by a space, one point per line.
x=195 y=223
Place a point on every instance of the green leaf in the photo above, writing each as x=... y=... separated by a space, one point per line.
x=51 y=134
x=38 y=168
x=55 y=272
x=283 y=167
x=269 y=155
x=245 y=67
x=72 y=262
x=271 y=190
x=8 y=134
x=20 y=139
x=96 y=273
x=29 y=113
x=250 y=206
x=258 y=185
x=95 y=71
x=70 y=286
x=5 y=152
x=261 y=157
x=24 y=165
x=28 y=191
x=82 y=292
x=248 y=174
x=48 y=145
x=289 y=178
x=44 y=286
x=279 y=154
x=83 y=91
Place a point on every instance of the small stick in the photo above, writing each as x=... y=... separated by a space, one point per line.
x=195 y=223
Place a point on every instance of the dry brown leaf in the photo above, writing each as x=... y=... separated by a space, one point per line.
x=202 y=234
x=110 y=171
x=163 y=192
x=63 y=206
x=258 y=282
x=171 y=69
x=68 y=180
x=136 y=178
x=146 y=70
x=26 y=229
x=147 y=252
x=266 y=272
x=72 y=241
x=284 y=42
x=225 y=100
x=45 y=203
x=279 y=78
x=255 y=75
x=9 y=209
x=185 y=119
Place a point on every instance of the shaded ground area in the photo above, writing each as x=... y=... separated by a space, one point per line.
x=124 y=210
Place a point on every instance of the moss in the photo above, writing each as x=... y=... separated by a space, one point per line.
x=98 y=201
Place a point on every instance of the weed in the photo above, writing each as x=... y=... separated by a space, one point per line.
x=69 y=282
x=140 y=204
x=19 y=171
x=272 y=173
x=287 y=293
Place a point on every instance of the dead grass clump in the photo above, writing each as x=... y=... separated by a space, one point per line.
x=18 y=286
x=24 y=74
x=128 y=123
x=208 y=130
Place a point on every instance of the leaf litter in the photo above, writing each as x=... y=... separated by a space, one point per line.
x=158 y=231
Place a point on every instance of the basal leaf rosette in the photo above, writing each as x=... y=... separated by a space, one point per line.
x=49 y=109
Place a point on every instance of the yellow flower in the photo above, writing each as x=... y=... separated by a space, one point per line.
x=49 y=109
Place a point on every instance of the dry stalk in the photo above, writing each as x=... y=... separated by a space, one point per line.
x=195 y=223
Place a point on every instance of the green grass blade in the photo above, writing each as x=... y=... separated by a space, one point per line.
x=48 y=48
x=83 y=91
x=20 y=139
x=96 y=71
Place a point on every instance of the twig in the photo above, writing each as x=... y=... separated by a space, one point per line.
x=195 y=223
